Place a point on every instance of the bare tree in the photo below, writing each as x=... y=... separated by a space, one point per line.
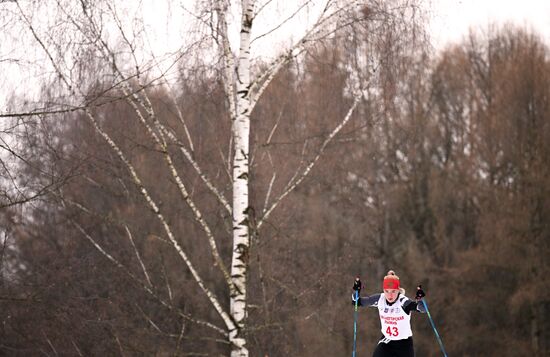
x=96 y=58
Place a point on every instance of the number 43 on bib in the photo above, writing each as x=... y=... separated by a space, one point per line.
x=392 y=331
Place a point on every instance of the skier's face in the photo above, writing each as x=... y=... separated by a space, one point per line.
x=391 y=294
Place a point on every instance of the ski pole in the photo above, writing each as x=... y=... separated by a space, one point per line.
x=435 y=330
x=355 y=323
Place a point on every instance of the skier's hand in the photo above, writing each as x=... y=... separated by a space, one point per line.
x=357 y=285
x=419 y=293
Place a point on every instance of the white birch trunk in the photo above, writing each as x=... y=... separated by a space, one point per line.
x=241 y=233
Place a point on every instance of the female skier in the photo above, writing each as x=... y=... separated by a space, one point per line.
x=394 y=309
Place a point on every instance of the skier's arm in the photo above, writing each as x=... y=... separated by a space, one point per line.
x=370 y=301
x=410 y=305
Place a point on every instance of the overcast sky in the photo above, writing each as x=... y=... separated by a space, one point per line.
x=452 y=18
x=450 y=21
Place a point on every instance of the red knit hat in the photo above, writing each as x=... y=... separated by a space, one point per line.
x=391 y=281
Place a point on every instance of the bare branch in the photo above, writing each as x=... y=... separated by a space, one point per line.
x=133 y=174
x=134 y=101
x=282 y=23
x=321 y=26
x=307 y=170
x=138 y=257
x=269 y=189
x=50 y=344
x=168 y=287
x=221 y=9
x=138 y=281
x=76 y=348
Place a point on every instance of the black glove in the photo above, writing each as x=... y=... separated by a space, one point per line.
x=357 y=285
x=419 y=293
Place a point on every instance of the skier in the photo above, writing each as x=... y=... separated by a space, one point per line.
x=394 y=309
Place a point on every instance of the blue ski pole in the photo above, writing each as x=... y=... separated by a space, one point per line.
x=355 y=322
x=435 y=330
x=357 y=293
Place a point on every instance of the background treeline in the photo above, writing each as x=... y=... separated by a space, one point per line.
x=443 y=175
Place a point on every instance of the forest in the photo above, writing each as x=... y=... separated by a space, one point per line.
x=127 y=229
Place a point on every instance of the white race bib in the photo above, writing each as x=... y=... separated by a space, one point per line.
x=395 y=323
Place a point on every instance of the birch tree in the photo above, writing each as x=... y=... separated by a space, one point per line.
x=82 y=41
